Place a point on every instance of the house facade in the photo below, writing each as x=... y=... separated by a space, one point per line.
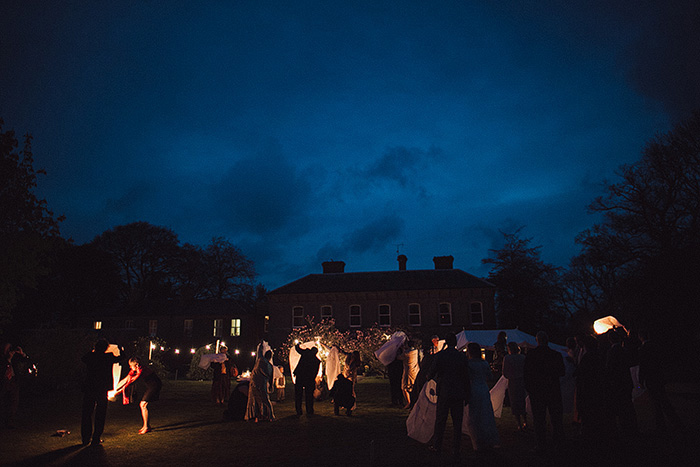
x=424 y=302
x=187 y=324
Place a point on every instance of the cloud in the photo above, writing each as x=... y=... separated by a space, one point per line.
x=262 y=193
x=373 y=236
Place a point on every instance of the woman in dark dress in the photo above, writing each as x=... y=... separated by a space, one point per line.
x=152 y=393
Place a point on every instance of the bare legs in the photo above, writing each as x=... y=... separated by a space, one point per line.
x=144 y=413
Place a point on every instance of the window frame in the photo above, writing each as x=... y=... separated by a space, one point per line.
x=440 y=313
x=297 y=319
x=358 y=316
x=410 y=315
x=472 y=312
x=386 y=315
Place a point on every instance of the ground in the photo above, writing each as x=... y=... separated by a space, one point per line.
x=189 y=430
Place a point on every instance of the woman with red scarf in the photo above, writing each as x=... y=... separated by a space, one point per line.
x=151 y=394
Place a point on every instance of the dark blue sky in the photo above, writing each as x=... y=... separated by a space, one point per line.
x=312 y=130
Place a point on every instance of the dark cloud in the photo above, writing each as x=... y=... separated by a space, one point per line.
x=261 y=194
x=368 y=238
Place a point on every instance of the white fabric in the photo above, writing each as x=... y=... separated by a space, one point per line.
x=420 y=423
x=206 y=360
x=498 y=395
x=332 y=366
x=486 y=338
x=294 y=357
x=116 y=368
x=387 y=352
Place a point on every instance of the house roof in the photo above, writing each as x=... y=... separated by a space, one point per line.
x=421 y=279
x=209 y=307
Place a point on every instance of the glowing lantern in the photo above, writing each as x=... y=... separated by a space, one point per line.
x=603 y=325
x=177 y=351
x=237 y=351
x=193 y=351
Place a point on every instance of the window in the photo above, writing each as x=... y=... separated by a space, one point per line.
x=355 y=316
x=187 y=328
x=129 y=324
x=218 y=327
x=384 y=315
x=414 y=314
x=445 y=310
x=97 y=325
x=152 y=327
x=236 y=327
x=326 y=312
x=476 y=312
x=298 y=317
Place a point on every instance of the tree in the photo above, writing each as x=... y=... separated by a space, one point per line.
x=527 y=287
x=27 y=226
x=646 y=251
x=228 y=271
x=144 y=253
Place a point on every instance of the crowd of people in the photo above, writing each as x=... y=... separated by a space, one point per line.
x=592 y=379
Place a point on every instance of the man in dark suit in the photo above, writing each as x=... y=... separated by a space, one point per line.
x=305 y=374
x=450 y=370
x=543 y=368
x=98 y=381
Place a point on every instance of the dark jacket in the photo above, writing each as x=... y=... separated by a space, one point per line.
x=98 y=377
x=307 y=368
x=450 y=370
x=543 y=368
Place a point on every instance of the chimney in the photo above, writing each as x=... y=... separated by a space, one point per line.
x=443 y=262
x=402 y=262
x=330 y=267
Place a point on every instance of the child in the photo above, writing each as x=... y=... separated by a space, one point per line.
x=342 y=395
x=280 y=384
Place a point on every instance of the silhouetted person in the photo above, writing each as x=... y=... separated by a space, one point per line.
x=98 y=380
x=543 y=368
x=591 y=395
x=421 y=377
x=450 y=370
x=513 y=371
x=395 y=373
x=620 y=384
x=9 y=386
x=342 y=395
x=305 y=373
x=652 y=375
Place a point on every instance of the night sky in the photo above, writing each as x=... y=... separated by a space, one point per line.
x=305 y=131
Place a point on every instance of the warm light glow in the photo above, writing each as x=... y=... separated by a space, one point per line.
x=603 y=325
x=98 y=325
x=193 y=350
x=245 y=374
x=252 y=354
x=153 y=346
x=296 y=341
x=162 y=348
x=177 y=351
x=208 y=346
x=236 y=351
x=111 y=394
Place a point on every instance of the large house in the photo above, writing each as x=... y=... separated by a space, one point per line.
x=425 y=302
x=187 y=324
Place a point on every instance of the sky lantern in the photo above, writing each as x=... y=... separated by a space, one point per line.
x=603 y=325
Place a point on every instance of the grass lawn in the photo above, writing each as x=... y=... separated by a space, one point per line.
x=189 y=430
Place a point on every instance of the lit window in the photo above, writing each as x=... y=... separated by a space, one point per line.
x=298 y=317
x=187 y=329
x=236 y=327
x=384 y=315
x=355 y=316
x=152 y=327
x=476 y=312
x=445 y=314
x=414 y=314
x=98 y=325
x=218 y=327
x=326 y=312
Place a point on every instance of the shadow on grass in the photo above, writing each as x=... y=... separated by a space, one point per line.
x=57 y=457
x=186 y=424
